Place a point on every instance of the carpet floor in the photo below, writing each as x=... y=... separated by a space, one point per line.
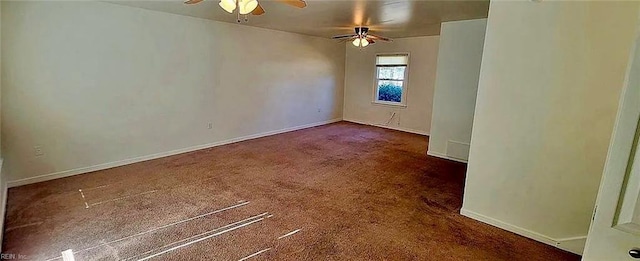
x=342 y=191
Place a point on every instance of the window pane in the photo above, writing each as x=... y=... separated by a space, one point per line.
x=400 y=59
x=390 y=91
x=394 y=73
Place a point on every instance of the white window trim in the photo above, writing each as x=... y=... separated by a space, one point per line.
x=405 y=85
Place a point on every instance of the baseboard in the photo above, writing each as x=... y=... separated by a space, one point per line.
x=390 y=127
x=574 y=244
x=440 y=155
x=72 y=172
x=506 y=226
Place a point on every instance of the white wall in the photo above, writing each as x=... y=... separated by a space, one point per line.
x=95 y=83
x=549 y=85
x=454 y=100
x=359 y=84
x=3 y=179
x=0 y=86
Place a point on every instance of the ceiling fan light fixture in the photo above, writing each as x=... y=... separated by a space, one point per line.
x=364 y=42
x=361 y=38
x=247 y=6
x=356 y=42
x=228 y=5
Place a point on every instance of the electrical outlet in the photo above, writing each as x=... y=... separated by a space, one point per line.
x=210 y=125
x=37 y=150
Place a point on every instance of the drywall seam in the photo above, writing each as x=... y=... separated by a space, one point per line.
x=562 y=243
x=72 y=172
x=389 y=127
x=443 y=156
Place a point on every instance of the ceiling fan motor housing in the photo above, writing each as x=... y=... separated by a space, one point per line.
x=362 y=30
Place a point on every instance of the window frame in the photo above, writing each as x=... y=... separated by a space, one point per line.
x=405 y=81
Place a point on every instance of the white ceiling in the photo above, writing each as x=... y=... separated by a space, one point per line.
x=325 y=18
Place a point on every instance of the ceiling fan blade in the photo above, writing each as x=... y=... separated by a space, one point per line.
x=258 y=11
x=347 y=39
x=375 y=37
x=343 y=36
x=371 y=41
x=190 y=2
x=296 y=3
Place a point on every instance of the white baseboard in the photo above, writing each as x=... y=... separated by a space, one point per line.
x=390 y=127
x=440 y=155
x=72 y=172
x=574 y=244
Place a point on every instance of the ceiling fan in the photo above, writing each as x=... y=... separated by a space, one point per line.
x=361 y=38
x=246 y=7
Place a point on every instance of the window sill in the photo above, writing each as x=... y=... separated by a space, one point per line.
x=390 y=104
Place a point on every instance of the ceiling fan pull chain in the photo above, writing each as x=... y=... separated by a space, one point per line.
x=246 y=18
x=238 y=16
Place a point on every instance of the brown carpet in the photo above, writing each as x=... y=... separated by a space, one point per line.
x=354 y=192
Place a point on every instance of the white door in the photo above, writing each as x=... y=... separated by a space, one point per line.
x=615 y=230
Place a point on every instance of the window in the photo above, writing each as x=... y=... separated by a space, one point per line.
x=391 y=75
